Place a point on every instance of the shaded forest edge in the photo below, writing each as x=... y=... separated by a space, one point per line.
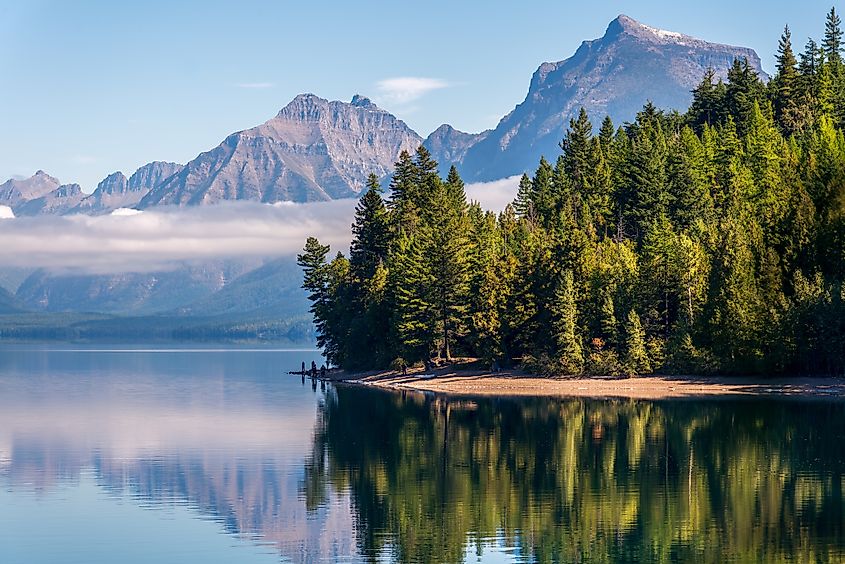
x=709 y=242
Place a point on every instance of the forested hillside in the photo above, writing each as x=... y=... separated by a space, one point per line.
x=712 y=241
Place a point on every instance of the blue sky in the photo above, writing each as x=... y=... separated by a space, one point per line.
x=91 y=87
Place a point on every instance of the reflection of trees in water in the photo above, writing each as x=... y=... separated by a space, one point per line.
x=586 y=480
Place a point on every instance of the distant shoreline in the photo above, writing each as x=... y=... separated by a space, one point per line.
x=516 y=383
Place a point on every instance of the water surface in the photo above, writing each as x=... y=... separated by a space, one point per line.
x=215 y=455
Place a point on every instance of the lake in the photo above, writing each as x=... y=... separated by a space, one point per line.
x=207 y=454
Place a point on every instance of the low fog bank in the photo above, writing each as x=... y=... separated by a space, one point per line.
x=164 y=238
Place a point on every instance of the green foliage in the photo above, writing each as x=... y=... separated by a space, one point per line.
x=566 y=333
x=636 y=359
x=710 y=241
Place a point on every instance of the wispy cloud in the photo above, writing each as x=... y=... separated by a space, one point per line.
x=255 y=85
x=163 y=238
x=406 y=89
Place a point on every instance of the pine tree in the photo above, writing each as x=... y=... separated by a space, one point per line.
x=570 y=356
x=524 y=205
x=609 y=324
x=315 y=282
x=415 y=314
x=577 y=152
x=825 y=94
x=832 y=43
x=543 y=198
x=404 y=211
x=488 y=284
x=708 y=101
x=427 y=178
x=636 y=361
x=647 y=188
x=370 y=232
x=606 y=133
x=785 y=84
x=743 y=90
x=688 y=182
x=832 y=47
x=446 y=254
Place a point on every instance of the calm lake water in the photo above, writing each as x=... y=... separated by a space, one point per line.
x=211 y=455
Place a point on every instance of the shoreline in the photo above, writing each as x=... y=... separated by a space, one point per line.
x=449 y=381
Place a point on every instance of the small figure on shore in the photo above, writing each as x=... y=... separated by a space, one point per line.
x=313 y=369
x=323 y=371
x=303 y=368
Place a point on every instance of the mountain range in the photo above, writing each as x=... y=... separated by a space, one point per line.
x=315 y=150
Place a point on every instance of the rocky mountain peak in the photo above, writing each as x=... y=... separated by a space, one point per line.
x=115 y=183
x=68 y=191
x=56 y=202
x=303 y=107
x=610 y=76
x=40 y=174
x=448 y=145
x=314 y=149
x=363 y=102
x=15 y=191
x=625 y=24
x=151 y=175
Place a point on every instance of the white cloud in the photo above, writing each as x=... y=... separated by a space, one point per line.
x=126 y=212
x=405 y=89
x=495 y=195
x=163 y=238
x=255 y=85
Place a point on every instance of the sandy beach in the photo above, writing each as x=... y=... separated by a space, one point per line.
x=514 y=383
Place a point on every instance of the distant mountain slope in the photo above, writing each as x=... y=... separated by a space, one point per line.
x=272 y=289
x=211 y=289
x=8 y=304
x=58 y=202
x=615 y=76
x=312 y=150
x=15 y=192
x=117 y=191
x=131 y=293
x=448 y=146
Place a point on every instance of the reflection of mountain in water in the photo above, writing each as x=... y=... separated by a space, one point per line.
x=578 y=480
x=210 y=431
x=366 y=474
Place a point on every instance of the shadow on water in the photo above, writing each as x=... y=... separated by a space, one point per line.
x=581 y=480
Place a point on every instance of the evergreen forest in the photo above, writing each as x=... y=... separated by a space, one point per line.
x=711 y=241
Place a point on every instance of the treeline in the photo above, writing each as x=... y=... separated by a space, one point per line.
x=711 y=241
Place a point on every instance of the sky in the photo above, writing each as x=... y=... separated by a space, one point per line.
x=92 y=87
